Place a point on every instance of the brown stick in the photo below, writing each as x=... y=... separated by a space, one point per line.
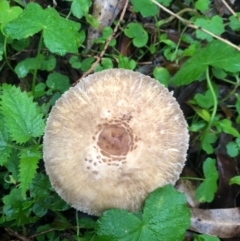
x=106 y=44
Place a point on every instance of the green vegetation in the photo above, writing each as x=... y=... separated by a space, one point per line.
x=43 y=52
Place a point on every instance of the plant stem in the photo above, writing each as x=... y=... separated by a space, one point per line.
x=37 y=63
x=215 y=101
x=78 y=232
x=5 y=54
x=192 y=178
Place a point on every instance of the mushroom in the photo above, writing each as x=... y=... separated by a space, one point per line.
x=112 y=139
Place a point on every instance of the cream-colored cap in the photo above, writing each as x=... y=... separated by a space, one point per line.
x=113 y=138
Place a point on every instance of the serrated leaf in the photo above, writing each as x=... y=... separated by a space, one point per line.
x=5 y=149
x=214 y=25
x=22 y=117
x=16 y=209
x=40 y=62
x=206 y=190
x=28 y=166
x=216 y=54
x=164 y=208
x=60 y=35
x=137 y=33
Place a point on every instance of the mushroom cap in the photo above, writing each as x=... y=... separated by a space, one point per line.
x=112 y=139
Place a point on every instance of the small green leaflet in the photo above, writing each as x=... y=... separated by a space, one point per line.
x=204 y=237
x=164 y=209
x=204 y=100
x=126 y=63
x=29 y=158
x=202 y=5
x=214 y=25
x=207 y=141
x=216 y=54
x=8 y=13
x=235 y=180
x=80 y=8
x=147 y=7
x=60 y=35
x=40 y=62
x=57 y=81
x=137 y=33
x=206 y=190
x=22 y=117
x=233 y=148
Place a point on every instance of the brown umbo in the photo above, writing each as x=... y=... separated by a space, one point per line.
x=112 y=139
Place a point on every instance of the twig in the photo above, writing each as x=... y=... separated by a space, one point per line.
x=43 y=232
x=191 y=25
x=17 y=235
x=106 y=44
x=229 y=8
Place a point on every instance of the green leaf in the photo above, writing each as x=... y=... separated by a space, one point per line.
x=40 y=62
x=164 y=208
x=148 y=8
x=206 y=190
x=80 y=8
x=126 y=63
x=198 y=126
x=234 y=180
x=5 y=149
x=214 y=25
x=202 y=5
x=44 y=197
x=145 y=7
x=216 y=54
x=75 y=63
x=226 y=126
x=235 y=22
x=16 y=209
x=8 y=13
x=137 y=33
x=87 y=63
x=28 y=165
x=60 y=35
x=232 y=149
x=162 y=75
x=204 y=114
x=22 y=117
x=58 y=81
x=106 y=63
x=207 y=141
x=204 y=237
x=204 y=100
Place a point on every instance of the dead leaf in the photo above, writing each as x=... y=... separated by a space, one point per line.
x=223 y=223
x=105 y=11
